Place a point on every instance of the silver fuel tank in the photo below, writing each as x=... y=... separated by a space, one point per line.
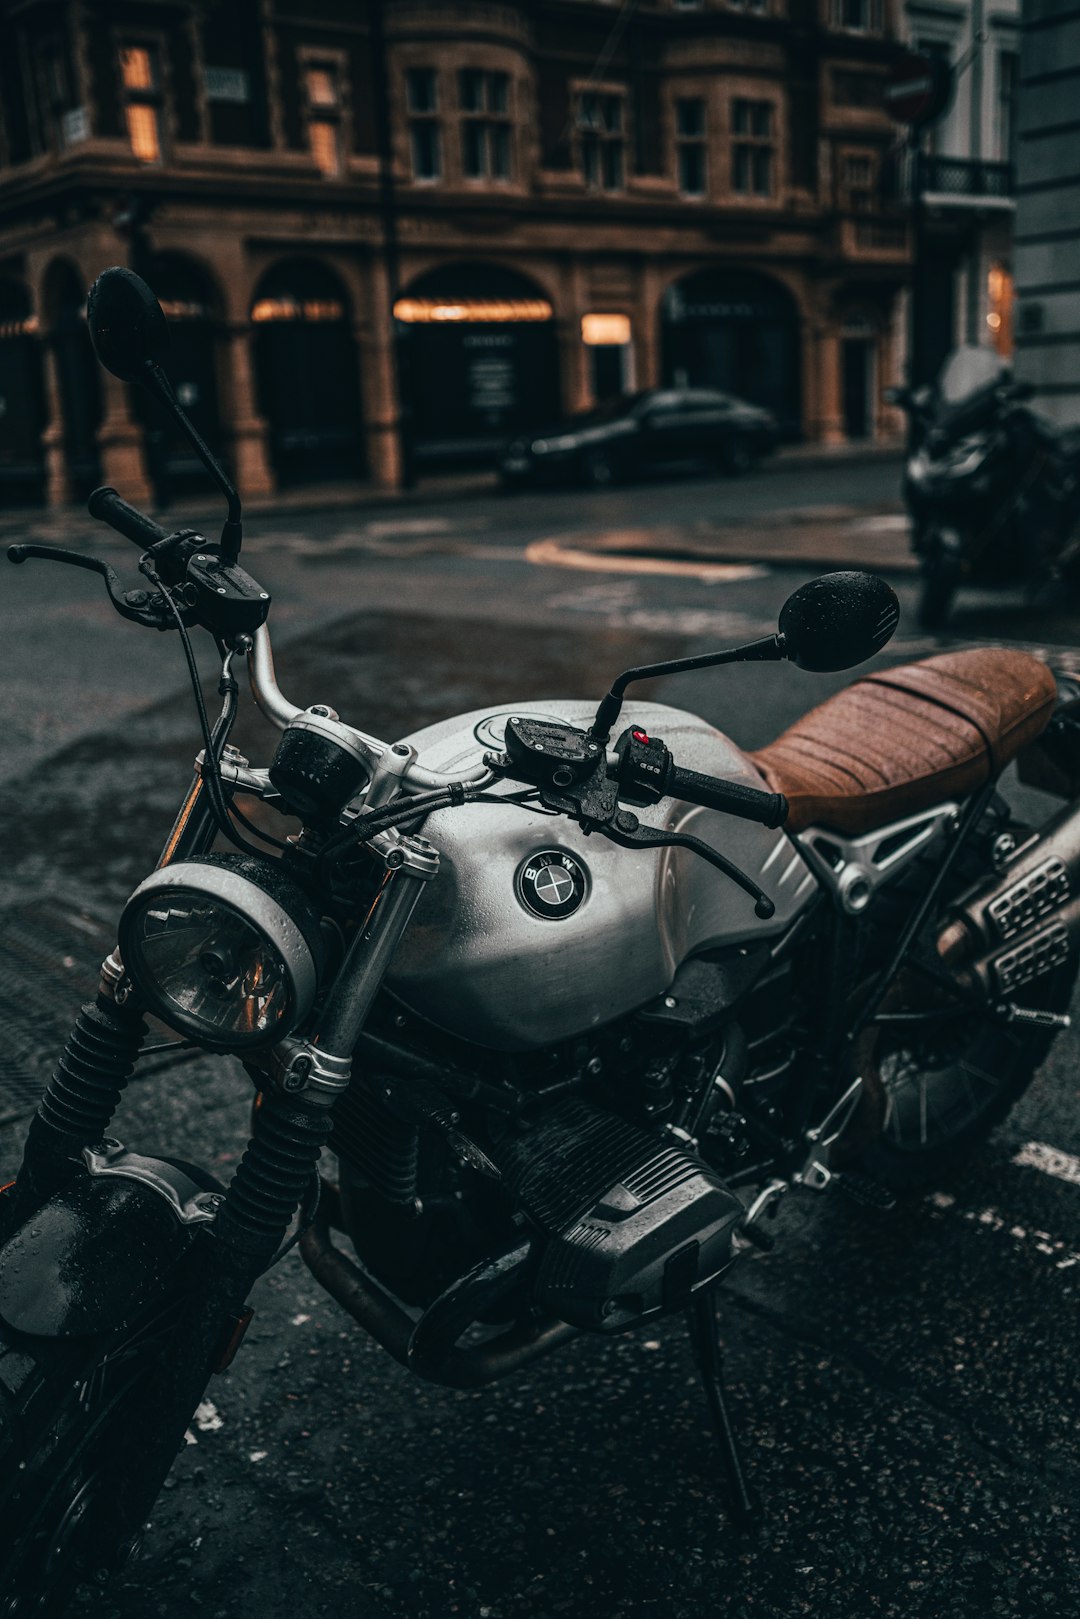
x=480 y=963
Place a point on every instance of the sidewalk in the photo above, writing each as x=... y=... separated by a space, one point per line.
x=429 y=491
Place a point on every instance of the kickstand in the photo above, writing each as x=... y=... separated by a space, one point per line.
x=701 y=1318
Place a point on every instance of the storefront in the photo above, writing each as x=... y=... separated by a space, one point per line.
x=78 y=377
x=22 y=399
x=479 y=361
x=189 y=299
x=738 y=331
x=308 y=375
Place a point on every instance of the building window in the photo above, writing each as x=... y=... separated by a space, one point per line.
x=999 y=314
x=858 y=16
x=851 y=89
x=484 y=103
x=1008 y=72
x=690 y=146
x=752 y=149
x=323 y=89
x=422 y=100
x=600 y=137
x=859 y=178
x=142 y=101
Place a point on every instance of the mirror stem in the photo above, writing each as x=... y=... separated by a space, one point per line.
x=232 y=529
x=770 y=649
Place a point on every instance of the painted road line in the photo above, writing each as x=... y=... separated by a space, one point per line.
x=1050 y=1160
x=1024 y=1237
x=551 y=553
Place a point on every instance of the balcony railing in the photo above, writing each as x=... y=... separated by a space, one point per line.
x=967 y=179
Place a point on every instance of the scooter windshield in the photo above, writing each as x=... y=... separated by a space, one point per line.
x=967 y=372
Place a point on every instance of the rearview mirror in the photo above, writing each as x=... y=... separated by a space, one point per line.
x=838 y=621
x=127 y=324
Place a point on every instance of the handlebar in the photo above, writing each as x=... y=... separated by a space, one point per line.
x=731 y=797
x=108 y=507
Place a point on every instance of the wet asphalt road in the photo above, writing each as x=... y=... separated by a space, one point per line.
x=906 y=1383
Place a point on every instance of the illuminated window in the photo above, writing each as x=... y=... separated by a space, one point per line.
x=690 y=146
x=601 y=139
x=483 y=100
x=999 y=314
x=142 y=101
x=324 y=116
x=421 y=97
x=600 y=331
x=752 y=148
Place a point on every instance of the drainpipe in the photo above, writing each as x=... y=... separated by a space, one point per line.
x=388 y=211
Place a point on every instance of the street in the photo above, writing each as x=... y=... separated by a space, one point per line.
x=905 y=1382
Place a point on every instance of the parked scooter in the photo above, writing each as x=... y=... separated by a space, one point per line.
x=993 y=488
x=576 y=994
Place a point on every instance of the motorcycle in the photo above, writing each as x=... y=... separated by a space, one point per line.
x=992 y=487
x=577 y=995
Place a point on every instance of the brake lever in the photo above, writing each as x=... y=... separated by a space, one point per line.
x=137 y=605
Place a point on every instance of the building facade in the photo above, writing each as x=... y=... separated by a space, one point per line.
x=968 y=177
x=1048 y=208
x=400 y=231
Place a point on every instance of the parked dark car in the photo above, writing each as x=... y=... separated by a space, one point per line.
x=642 y=433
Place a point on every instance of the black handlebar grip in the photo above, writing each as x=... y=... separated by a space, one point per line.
x=750 y=803
x=106 y=505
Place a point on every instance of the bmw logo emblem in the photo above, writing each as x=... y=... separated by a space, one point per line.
x=551 y=883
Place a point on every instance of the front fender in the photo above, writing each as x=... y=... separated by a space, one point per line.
x=91 y=1259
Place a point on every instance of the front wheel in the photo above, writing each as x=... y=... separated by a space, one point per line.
x=68 y=1409
x=940 y=579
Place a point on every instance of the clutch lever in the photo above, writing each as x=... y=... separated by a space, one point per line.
x=628 y=831
x=137 y=605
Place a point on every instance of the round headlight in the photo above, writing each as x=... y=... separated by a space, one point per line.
x=226 y=950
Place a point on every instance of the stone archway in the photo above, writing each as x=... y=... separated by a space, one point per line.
x=307 y=373
x=22 y=399
x=737 y=330
x=480 y=360
x=77 y=381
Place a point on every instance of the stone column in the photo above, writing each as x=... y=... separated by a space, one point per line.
x=647 y=326
x=123 y=457
x=574 y=379
x=375 y=340
x=57 y=477
x=251 y=460
x=829 y=425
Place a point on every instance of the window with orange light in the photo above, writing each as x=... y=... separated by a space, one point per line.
x=322 y=83
x=999 y=312
x=142 y=101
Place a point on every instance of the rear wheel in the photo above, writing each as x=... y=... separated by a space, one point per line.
x=598 y=470
x=737 y=456
x=950 y=1081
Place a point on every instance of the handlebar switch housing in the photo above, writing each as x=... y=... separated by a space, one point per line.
x=644 y=766
x=229 y=602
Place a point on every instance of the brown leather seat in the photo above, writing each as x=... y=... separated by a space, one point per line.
x=900 y=741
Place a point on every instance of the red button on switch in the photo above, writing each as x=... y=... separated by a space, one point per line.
x=640 y=736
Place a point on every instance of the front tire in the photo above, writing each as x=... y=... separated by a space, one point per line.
x=68 y=1408
x=940 y=581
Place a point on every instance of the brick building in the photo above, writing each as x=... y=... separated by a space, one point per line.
x=452 y=218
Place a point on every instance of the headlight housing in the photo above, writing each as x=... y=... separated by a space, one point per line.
x=227 y=950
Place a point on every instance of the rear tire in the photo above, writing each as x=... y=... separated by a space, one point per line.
x=598 y=470
x=738 y=456
x=944 y=1094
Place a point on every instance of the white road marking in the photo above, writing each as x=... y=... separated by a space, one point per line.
x=1051 y=1160
x=1024 y=1237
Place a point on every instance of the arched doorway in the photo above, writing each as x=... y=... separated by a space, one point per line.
x=22 y=399
x=738 y=331
x=77 y=375
x=307 y=374
x=480 y=360
x=190 y=301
